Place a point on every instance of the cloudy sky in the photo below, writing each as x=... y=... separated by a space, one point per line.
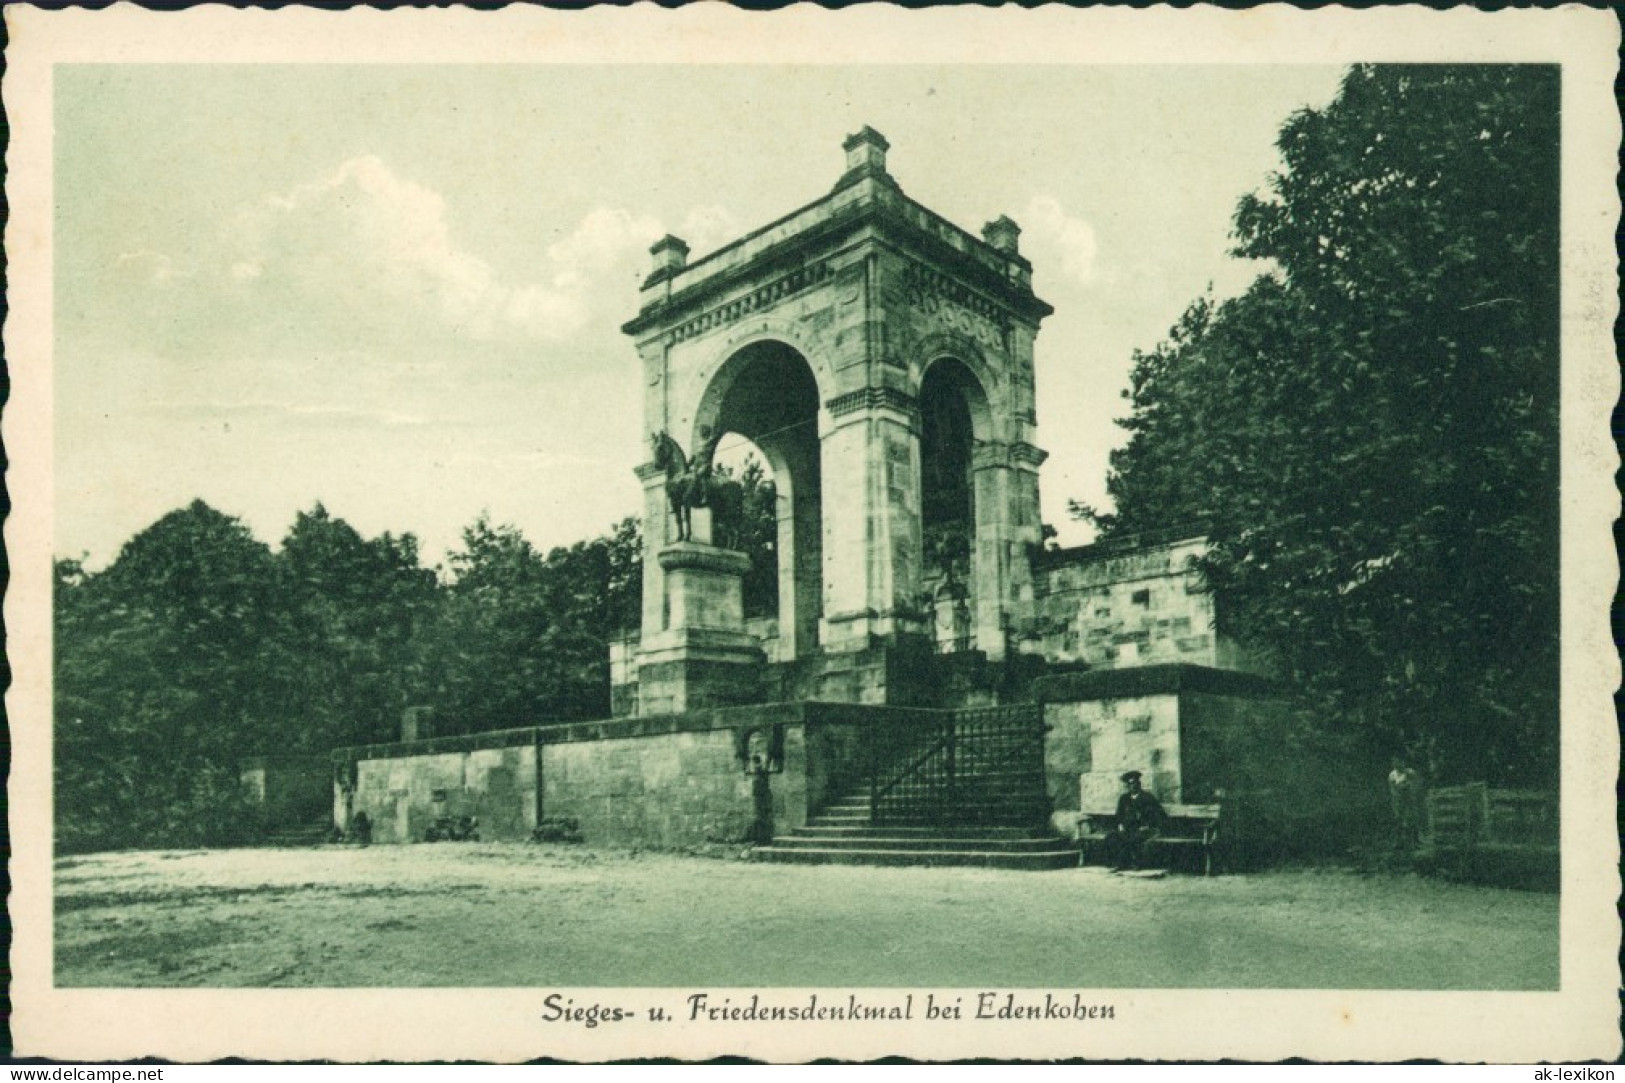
x=397 y=289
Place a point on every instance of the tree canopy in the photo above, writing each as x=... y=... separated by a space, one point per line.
x=1368 y=435
x=199 y=647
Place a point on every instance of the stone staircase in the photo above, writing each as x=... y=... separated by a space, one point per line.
x=841 y=835
x=293 y=837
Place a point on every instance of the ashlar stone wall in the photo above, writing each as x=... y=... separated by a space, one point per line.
x=666 y=791
x=1092 y=742
x=1201 y=735
x=1112 y=607
x=402 y=796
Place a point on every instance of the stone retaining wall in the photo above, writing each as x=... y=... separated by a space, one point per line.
x=1197 y=732
x=664 y=781
x=402 y=797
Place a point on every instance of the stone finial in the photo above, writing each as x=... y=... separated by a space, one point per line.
x=1003 y=233
x=670 y=253
x=866 y=151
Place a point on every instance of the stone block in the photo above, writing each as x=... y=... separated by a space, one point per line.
x=704 y=586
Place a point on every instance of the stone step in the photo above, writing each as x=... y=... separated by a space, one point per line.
x=971 y=807
x=972 y=793
x=844 y=816
x=838 y=831
x=1061 y=857
x=971 y=811
x=885 y=840
x=306 y=835
x=1014 y=826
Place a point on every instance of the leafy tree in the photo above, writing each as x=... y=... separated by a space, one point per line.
x=198 y=648
x=522 y=639
x=1369 y=434
x=162 y=683
x=351 y=610
x=758 y=538
x=624 y=590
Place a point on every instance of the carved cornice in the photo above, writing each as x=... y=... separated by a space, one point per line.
x=648 y=472
x=996 y=454
x=701 y=557
x=815 y=230
x=802 y=278
x=872 y=398
x=1028 y=454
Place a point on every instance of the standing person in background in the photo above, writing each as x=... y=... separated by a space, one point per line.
x=761 y=793
x=1405 y=798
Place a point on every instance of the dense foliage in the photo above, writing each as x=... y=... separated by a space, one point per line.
x=1369 y=433
x=757 y=536
x=199 y=647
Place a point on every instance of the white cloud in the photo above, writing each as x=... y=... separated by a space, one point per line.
x=364 y=236
x=1070 y=238
x=272 y=409
x=709 y=228
x=364 y=255
x=604 y=238
x=149 y=266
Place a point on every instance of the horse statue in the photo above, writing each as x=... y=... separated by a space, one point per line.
x=726 y=499
x=694 y=483
x=669 y=458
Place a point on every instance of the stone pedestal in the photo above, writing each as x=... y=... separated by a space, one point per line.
x=703 y=656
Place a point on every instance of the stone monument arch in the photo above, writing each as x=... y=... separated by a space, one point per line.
x=882 y=360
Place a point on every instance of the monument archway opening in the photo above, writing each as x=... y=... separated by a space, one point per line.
x=754 y=528
x=764 y=398
x=952 y=403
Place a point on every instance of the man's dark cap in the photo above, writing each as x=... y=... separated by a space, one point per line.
x=1131 y=776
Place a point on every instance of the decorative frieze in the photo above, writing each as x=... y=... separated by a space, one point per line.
x=950 y=304
x=871 y=398
x=802 y=278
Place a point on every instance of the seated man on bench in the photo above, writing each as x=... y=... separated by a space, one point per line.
x=1140 y=818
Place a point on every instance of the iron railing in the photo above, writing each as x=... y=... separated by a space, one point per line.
x=979 y=766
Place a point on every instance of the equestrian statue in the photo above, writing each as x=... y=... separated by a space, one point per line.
x=696 y=483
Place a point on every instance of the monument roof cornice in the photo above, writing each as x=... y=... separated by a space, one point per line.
x=868 y=201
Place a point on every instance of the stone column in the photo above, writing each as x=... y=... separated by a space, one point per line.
x=1007 y=522
x=1027 y=537
x=844 y=445
x=657 y=530
x=872 y=559
x=800 y=543
x=990 y=471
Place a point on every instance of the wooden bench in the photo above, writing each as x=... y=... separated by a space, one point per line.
x=1187 y=826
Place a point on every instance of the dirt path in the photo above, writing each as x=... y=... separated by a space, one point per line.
x=514 y=915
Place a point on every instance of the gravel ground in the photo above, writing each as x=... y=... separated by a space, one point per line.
x=492 y=915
